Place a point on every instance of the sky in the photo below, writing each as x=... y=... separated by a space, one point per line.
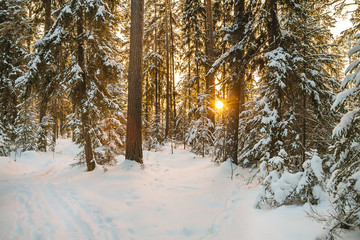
x=343 y=22
x=341 y=25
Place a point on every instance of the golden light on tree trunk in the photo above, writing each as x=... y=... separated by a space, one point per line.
x=219 y=104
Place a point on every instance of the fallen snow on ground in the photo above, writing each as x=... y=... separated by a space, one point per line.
x=173 y=196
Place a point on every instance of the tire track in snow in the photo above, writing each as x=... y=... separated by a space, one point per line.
x=101 y=225
x=80 y=219
x=49 y=209
x=74 y=226
x=31 y=215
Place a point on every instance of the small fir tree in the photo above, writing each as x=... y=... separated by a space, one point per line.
x=200 y=135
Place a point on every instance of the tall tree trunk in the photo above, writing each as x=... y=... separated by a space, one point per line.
x=157 y=98
x=85 y=121
x=236 y=86
x=197 y=71
x=173 y=69
x=167 y=124
x=147 y=105
x=134 y=123
x=303 y=155
x=189 y=90
x=210 y=54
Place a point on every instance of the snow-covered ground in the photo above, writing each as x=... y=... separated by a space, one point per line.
x=174 y=196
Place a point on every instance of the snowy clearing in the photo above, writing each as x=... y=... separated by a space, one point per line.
x=174 y=196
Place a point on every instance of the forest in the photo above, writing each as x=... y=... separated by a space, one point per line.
x=264 y=86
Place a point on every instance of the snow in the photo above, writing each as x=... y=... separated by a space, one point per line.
x=316 y=166
x=173 y=196
x=342 y=96
x=354 y=50
x=345 y=123
x=352 y=66
x=356 y=178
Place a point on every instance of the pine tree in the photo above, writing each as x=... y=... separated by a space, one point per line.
x=5 y=144
x=88 y=67
x=26 y=126
x=240 y=36
x=15 y=32
x=344 y=182
x=194 y=41
x=200 y=134
x=153 y=62
x=293 y=94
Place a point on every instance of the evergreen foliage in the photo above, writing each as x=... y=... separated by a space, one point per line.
x=15 y=32
x=274 y=62
x=26 y=127
x=200 y=135
x=344 y=184
x=292 y=96
x=88 y=69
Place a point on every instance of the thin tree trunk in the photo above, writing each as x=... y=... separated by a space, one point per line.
x=55 y=130
x=157 y=99
x=134 y=123
x=304 y=130
x=147 y=106
x=189 y=91
x=197 y=71
x=173 y=68
x=210 y=54
x=167 y=71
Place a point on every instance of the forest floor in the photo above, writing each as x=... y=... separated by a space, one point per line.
x=173 y=196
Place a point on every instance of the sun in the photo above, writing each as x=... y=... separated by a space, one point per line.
x=219 y=104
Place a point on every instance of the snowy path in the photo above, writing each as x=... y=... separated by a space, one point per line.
x=177 y=196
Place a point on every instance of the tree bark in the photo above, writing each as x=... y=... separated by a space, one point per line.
x=210 y=54
x=157 y=104
x=173 y=70
x=167 y=124
x=134 y=122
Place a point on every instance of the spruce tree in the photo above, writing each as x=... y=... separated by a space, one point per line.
x=344 y=182
x=200 y=134
x=88 y=68
x=15 y=33
x=293 y=94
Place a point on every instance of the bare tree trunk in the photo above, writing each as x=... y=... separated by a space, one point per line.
x=304 y=131
x=189 y=91
x=167 y=71
x=148 y=95
x=210 y=54
x=157 y=98
x=173 y=69
x=197 y=71
x=134 y=123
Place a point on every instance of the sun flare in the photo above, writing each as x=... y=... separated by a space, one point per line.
x=219 y=104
